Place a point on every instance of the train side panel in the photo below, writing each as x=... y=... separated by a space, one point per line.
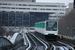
x=49 y=32
x=40 y=27
x=40 y=30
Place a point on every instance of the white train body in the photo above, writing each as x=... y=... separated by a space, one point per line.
x=47 y=27
x=45 y=32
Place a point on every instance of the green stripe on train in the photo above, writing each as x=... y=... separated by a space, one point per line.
x=40 y=25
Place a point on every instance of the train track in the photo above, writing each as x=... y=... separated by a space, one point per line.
x=47 y=46
x=38 y=44
x=33 y=44
x=29 y=45
x=67 y=45
x=60 y=45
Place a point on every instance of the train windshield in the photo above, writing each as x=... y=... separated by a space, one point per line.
x=51 y=26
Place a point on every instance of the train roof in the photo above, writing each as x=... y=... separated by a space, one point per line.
x=52 y=20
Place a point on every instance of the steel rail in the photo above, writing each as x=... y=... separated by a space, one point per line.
x=33 y=41
x=46 y=47
x=29 y=43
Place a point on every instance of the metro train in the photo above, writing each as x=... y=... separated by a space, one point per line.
x=48 y=28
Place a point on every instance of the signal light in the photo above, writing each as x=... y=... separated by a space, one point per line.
x=47 y=29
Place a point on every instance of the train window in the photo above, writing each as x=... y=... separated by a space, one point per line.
x=51 y=26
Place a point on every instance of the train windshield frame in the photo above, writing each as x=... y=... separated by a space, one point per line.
x=51 y=26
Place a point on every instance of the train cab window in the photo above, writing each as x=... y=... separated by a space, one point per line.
x=51 y=26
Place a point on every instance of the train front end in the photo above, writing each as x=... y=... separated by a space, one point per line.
x=51 y=30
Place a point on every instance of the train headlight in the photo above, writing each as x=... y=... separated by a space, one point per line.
x=47 y=29
x=46 y=33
